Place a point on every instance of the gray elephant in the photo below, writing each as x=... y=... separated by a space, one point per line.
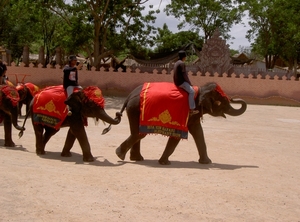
x=26 y=92
x=46 y=117
x=9 y=99
x=210 y=99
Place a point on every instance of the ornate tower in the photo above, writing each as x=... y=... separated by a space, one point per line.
x=215 y=56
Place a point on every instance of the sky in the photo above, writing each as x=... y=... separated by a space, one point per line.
x=238 y=31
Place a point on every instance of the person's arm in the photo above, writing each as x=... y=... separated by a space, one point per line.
x=185 y=75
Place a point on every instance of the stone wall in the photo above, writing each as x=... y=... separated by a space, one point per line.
x=255 y=90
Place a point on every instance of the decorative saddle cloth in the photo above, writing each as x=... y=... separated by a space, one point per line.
x=11 y=93
x=164 y=110
x=33 y=89
x=49 y=107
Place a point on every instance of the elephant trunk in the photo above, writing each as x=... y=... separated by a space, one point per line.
x=236 y=112
x=14 y=118
x=106 y=118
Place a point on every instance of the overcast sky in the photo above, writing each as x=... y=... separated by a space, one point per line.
x=237 y=31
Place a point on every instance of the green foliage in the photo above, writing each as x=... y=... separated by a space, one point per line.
x=19 y=26
x=233 y=52
x=166 y=41
x=27 y=22
x=103 y=27
x=205 y=16
x=275 y=28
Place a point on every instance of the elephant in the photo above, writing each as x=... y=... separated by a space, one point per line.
x=26 y=92
x=210 y=100
x=82 y=104
x=9 y=99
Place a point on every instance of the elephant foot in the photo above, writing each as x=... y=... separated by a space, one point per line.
x=9 y=144
x=66 y=154
x=164 y=162
x=40 y=152
x=88 y=159
x=121 y=154
x=205 y=160
x=136 y=158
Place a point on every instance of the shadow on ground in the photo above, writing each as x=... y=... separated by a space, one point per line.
x=77 y=158
x=190 y=165
x=16 y=148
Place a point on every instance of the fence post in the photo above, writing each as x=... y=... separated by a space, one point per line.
x=25 y=59
x=58 y=56
x=42 y=56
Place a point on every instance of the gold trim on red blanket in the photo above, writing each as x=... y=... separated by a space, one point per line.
x=50 y=107
x=164 y=110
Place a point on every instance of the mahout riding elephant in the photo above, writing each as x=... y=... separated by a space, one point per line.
x=210 y=99
x=26 y=92
x=9 y=99
x=49 y=113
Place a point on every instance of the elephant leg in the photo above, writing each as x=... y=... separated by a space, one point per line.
x=68 y=144
x=79 y=132
x=198 y=135
x=131 y=141
x=49 y=132
x=8 y=131
x=170 y=147
x=135 y=152
x=39 y=145
x=42 y=138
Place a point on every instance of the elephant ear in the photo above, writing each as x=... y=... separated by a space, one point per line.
x=10 y=93
x=22 y=90
x=212 y=98
x=75 y=100
x=206 y=98
x=206 y=90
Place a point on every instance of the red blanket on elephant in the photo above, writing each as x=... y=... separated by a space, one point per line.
x=164 y=110
x=10 y=93
x=33 y=89
x=49 y=107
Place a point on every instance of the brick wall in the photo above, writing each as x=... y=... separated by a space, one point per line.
x=267 y=91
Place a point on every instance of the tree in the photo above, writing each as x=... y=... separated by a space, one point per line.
x=166 y=41
x=287 y=20
x=19 y=26
x=206 y=16
x=26 y=22
x=262 y=30
x=102 y=27
x=274 y=26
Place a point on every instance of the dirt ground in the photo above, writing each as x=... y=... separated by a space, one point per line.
x=255 y=174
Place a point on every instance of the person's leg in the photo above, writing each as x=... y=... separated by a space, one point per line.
x=187 y=87
x=70 y=90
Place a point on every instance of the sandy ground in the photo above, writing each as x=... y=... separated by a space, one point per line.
x=255 y=174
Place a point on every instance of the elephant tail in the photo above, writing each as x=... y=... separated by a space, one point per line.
x=124 y=105
x=21 y=131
